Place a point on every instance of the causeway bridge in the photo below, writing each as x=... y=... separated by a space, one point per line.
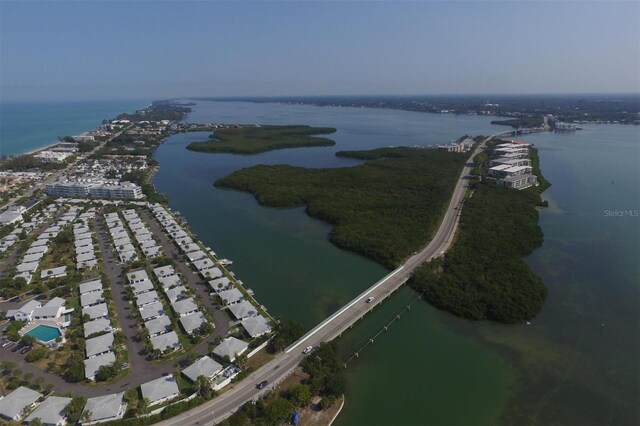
x=283 y=365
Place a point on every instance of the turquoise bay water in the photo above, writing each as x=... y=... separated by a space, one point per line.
x=28 y=126
x=44 y=333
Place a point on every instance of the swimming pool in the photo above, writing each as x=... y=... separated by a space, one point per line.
x=44 y=333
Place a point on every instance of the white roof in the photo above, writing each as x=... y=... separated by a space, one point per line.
x=91 y=298
x=138 y=275
x=184 y=306
x=196 y=255
x=175 y=293
x=151 y=310
x=106 y=407
x=92 y=365
x=146 y=298
x=158 y=389
x=231 y=347
x=11 y=406
x=256 y=326
x=96 y=326
x=243 y=309
x=232 y=295
x=95 y=311
x=98 y=345
x=170 y=281
x=90 y=286
x=204 y=366
x=214 y=283
x=166 y=340
x=163 y=271
x=142 y=287
x=50 y=411
x=56 y=302
x=27 y=308
x=158 y=325
x=192 y=322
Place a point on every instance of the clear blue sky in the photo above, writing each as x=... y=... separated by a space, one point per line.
x=61 y=50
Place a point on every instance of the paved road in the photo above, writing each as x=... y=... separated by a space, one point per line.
x=281 y=366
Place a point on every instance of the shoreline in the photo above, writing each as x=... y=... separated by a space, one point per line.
x=339 y=411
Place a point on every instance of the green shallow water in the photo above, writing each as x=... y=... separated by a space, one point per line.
x=430 y=367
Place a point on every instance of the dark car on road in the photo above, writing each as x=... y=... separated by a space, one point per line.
x=262 y=384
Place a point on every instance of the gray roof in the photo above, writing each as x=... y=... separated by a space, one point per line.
x=96 y=326
x=232 y=295
x=91 y=298
x=204 y=366
x=122 y=241
x=256 y=326
x=92 y=365
x=11 y=406
x=192 y=322
x=106 y=407
x=90 y=286
x=214 y=283
x=141 y=287
x=146 y=298
x=196 y=255
x=184 y=306
x=164 y=341
x=96 y=311
x=175 y=293
x=230 y=347
x=243 y=310
x=170 y=281
x=56 y=302
x=203 y=263
x=50 y=411
x=155 y=390
x=98 y=345
x=151 y=310
x=27 y=308
x=158 y=325
x=163 y=271
x=138 y=275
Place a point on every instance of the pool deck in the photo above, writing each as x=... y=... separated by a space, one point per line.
x=34 y=324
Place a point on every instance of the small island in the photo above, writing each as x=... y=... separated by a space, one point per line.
x=384 y=209
x=247 y=140
x=391 y=205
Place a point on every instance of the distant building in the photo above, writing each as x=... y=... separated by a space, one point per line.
x=518 y=181
x=95 y=188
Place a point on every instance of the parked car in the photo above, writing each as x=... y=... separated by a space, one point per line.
x=25 y=350
x=262 y=384
x=7 y=343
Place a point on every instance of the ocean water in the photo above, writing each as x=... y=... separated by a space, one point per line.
x=25 y=127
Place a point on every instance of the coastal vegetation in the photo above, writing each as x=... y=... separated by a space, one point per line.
x=325 y=376
x=257 y=139
x=483 y=276
x=384 y=209
x=533 y=121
